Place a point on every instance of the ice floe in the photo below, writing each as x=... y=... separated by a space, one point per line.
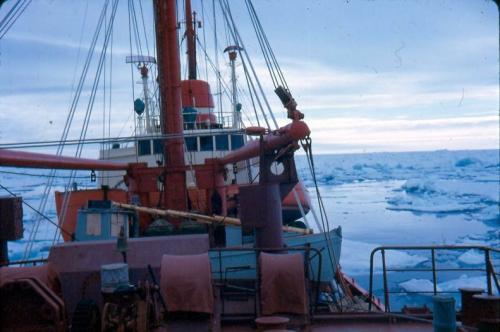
x=472 y=257
x=426 y=287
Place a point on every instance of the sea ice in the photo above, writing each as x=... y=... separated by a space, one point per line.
x=472 y=257
x=463 y=281
x=419 y=285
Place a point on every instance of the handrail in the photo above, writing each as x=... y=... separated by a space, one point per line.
x=315 y=277
x=25 y=262
x=489 y=268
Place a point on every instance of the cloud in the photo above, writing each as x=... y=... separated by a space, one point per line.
x=372 y=134
x=367 y=103
x=30 y=39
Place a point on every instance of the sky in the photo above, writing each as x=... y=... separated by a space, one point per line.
x=370 y=76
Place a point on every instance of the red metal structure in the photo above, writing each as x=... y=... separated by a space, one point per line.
x=191 y=41
x=175 y=194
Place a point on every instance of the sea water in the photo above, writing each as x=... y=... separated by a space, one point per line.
x=410 y=198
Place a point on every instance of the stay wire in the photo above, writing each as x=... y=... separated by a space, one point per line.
x=144 y=27
x=216 y=56
x=13 y=19
x=90 y=104
x=226 y=9
x=307 y=146
x=263 y=48
x=8 y=17
x=269 y=48
x=67 y=125
x=204 y=37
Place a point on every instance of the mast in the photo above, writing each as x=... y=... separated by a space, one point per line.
x=232 y=51
x=191 y=41
x=174 y=180
x=145 y=88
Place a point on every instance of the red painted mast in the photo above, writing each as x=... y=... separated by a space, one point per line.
x=191 y=42
x=175 y=193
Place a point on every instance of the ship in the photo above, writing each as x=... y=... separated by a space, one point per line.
x=181 y=235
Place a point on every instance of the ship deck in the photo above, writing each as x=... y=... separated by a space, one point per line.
x=350 y=326
x=361 y=322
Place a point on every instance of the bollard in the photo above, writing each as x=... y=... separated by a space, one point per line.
x=444 y=318
x=469 y=316
x=488 y=312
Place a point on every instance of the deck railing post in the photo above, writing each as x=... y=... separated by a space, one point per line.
x=370 y=290
x=488 y=270
x=220 y=265
x=386 y=290
x=434 y=285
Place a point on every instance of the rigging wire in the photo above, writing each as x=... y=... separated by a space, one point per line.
x=144 y=27
x=90 y=104
x=204 y=37
x=9 y=16
x=251 y=98
x=307 y=146
x=135 y=27
x=12 y=16
x=278 y=77
x=226 y=10
x=216 y=56
x=67 y=125
x=266 y=48
x=95 y=86
x=110 y=84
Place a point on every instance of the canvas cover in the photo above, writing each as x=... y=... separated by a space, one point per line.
x=283 y=285
x=186 y=283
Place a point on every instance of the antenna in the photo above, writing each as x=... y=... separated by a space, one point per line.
x=140 y=106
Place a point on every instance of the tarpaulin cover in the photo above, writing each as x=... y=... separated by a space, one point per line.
x=186 y=283
x=45 y=273
x=283 y=287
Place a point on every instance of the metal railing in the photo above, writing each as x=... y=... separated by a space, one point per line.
x=488 y=269
x=28 y=262
x=312 y=271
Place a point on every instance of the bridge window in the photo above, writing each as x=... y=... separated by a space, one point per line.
x=236 y=141
x=206 y=143
x=191 y=144
x=221 y=143
x=157 y=146
x=144 y=147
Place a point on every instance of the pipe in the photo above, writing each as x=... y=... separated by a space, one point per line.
x=201 y=218
x=281 y=137
x=12 y=158
x=169 y=70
